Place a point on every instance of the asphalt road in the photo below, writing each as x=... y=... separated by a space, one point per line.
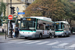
x=61 y=43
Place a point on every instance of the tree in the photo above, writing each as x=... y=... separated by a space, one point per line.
x=2 y=10
x=70 y=10
x=49 y=8
x=55 y=9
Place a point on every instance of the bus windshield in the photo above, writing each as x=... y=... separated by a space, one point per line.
x=27 y=25
x=59 y=27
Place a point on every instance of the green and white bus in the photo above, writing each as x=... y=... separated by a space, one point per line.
x=36 y=27
x=62 y=28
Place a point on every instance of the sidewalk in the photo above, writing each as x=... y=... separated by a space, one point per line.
x=2 y=39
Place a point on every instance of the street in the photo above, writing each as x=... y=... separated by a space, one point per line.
x=58 y=43
x=37 y=19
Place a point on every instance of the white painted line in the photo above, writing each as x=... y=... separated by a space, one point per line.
x=72 y=45
x=23 y=42
x=10 y=17
x=10 y=42
x=33 y=42
x=63 y=44
x=53 y=43
x=43 y=42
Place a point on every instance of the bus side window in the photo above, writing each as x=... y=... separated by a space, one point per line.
x=37 y=25
x=47 y=28
x=41 y=26
x=52 y=27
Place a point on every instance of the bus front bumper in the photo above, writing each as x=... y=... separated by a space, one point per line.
x=59 y=34
x=27 y=35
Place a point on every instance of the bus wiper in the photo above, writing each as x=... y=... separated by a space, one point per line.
x=31 y=30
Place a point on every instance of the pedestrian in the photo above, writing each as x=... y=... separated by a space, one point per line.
x=16 y=31
x=2 y=30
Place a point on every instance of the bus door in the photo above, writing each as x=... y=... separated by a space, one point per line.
x=46 y=30
x=52 y=30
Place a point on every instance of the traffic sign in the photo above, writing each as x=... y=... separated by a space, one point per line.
x=21 y=12
x=10 y=17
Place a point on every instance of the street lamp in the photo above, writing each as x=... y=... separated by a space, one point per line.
x=17 y=9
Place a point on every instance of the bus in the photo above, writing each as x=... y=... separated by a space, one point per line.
x=36 y=27
x=62 y=28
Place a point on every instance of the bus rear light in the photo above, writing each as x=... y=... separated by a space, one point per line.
x=43 y=32
x=13 y=30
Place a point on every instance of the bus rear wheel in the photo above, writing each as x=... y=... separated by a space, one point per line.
x=40 y=36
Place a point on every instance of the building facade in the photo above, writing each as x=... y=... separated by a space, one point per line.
x=21 y=4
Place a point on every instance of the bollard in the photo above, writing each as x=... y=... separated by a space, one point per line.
x=5 y=34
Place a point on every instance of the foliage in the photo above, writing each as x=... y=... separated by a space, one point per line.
x=69 y=9
x=56 y=9
x=2 y=8
x=1 y=33
x=4 y=18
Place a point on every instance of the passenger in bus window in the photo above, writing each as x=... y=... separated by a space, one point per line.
x=41 y=26
x=47 y=28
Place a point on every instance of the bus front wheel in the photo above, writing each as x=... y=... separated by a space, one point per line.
x=68 y=35
x=65 y=35
x=50 y=35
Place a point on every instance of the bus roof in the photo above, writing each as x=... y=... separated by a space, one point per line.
x=65 y=22
x=41 y=18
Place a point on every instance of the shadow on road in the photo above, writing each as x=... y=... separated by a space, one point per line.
x=43 y=38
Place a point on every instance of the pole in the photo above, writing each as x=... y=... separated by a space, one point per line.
x=3 y=18
x=10 y=21
x=5 y=32
x=10 y=3
x=25 y=2
x=16 y=18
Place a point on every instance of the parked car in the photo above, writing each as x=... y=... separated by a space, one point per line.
x=73 y=30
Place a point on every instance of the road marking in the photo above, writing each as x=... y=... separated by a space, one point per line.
x=53 y=43
x=23 y=42
x=10 y=42
x=43 y=42
x=73 y=45
x=33 y=42
x=63 y=44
